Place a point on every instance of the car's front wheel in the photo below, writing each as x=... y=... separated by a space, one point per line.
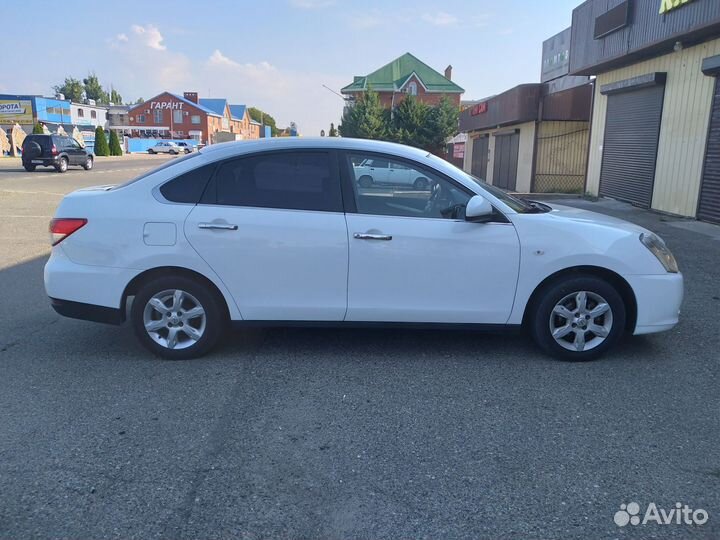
x=177 y=318
x=578 y=318
x=151 y=151
x=365 y=181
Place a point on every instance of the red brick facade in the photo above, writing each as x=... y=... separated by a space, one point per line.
x=393 y=99
x=168 y=116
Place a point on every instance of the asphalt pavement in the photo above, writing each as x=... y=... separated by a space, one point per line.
x=326 y=433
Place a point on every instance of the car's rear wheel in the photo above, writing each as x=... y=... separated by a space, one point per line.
x=177 y=318
x=29 y=168
x=174 y=152
x=62 y=165
x=88 y=163
x=578 y=318
x=151 y=151
x=365 y=181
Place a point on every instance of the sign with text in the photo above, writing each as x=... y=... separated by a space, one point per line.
x=16 y=111
x=479 y=108
x=669 y=5
x=169 y=105
x=459 y=150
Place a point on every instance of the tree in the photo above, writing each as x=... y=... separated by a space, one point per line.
x=333 y=132
x=443 y=124
x=115 y=97
x=38 y=129
x=411 y=123
x=101 y=144
x=264 y=118
x=115 y=148
x=72 y=89
x=139 y=100
x=366 y=119
x=94 y=90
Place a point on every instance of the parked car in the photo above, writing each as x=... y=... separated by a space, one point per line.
x=56 y=151
x=165 y=148
x=379 y=171
x=185 y=147
x=277 y=231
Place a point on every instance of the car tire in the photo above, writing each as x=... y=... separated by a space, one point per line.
x=151 y=151
x=365 y=181
x=29 y=168
x=568 y=330
x=421 y=184
x=88 y=163
x=172 y=340
x=174 y=152
x=62 y=165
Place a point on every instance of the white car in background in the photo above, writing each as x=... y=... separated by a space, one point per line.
x=278 y=231
x=381 y=172
x=165 y=148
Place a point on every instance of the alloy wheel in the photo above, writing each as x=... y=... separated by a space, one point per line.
x=174 y=319
x=581 y=321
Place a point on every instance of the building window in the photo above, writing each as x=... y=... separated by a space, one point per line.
x=179 y=133
x=412 y=88
x=93 y=115
x=177 y=116
x=81 y=113
x=195 y=119
x=157 y=116
x=140 y=118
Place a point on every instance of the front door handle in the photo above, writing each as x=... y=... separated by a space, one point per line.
x=221 y=226
x=368 y=236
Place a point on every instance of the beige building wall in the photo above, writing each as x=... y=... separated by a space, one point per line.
x=683 y=130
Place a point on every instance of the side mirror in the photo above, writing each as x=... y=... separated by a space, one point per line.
x=479 y=210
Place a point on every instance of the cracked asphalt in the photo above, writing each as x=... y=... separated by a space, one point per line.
x=321 y=433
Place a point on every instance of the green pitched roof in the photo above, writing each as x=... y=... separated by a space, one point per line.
x=393 y=76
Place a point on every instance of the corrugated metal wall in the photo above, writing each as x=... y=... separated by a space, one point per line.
x=686 y=111
x=561 y=158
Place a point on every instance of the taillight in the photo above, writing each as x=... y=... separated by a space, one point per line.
x=61 y=228
x=54 y=150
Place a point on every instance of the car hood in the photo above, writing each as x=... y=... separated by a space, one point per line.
x=586 y=217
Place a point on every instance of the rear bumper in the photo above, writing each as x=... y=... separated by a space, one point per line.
x=658 y=300
x=87 y=312
x=46 y=162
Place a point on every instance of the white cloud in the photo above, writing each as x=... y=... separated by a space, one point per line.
x=149 y=35
x=440 y=18
x=121 y=37
x=311 y=4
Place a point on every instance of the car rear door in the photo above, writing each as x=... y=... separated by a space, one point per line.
x=414 y=258
x=272 y=227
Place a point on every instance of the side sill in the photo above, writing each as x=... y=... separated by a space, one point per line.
x=476 y=327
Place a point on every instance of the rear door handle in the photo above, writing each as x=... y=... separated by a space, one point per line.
x=367 y=236
x=221 y=226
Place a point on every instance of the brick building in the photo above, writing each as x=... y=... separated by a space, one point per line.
x=404 y=76
x=207 y=120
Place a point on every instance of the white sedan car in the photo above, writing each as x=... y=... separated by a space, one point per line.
x=277 y=231
x=165 y=148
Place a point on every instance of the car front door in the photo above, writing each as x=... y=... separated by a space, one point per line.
x=76 y=152
x=272 y=227
x=414 y=258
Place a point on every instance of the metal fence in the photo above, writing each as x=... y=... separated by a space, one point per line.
x=561 y=157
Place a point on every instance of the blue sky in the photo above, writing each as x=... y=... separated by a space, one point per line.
x=274 y=54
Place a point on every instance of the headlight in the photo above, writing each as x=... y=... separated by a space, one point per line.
x=658 y=248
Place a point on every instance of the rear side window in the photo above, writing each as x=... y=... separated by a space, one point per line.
x=288 y=180
x=188 y=187
x=44 y=141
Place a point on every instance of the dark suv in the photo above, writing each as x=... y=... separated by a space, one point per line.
x=56 y=151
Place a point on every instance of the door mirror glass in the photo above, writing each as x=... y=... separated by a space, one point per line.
x=479 y=209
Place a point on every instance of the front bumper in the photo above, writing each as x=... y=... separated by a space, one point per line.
x=658 y=300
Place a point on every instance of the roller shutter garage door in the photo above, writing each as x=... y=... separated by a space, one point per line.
x=479 y=164
x=709 y=206
x=632 y=129
x=505 y=160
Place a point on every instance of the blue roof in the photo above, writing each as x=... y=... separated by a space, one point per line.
x=198 y=105
x=237 y=111
x=216 y=105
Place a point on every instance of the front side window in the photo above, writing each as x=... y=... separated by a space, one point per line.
x=404 y=189
x=288 y=180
